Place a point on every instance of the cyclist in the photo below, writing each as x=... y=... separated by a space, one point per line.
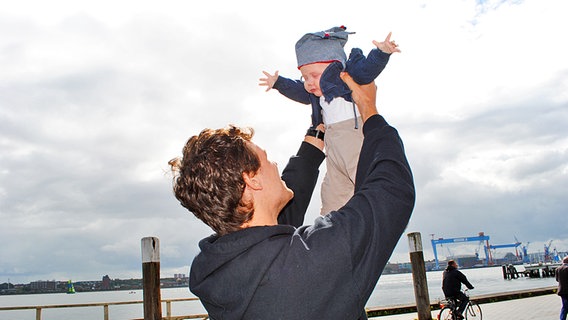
x=452 y=280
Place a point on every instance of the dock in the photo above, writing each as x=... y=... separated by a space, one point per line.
x=543 y=270
x=536 y=270
x=541 y=304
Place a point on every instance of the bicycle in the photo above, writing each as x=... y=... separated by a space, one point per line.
x=449 y=307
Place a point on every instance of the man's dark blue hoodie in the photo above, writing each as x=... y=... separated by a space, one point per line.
x=324 y=271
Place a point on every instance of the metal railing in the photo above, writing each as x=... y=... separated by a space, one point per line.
x=106 y=305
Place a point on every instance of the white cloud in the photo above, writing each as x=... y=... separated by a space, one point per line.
x=96 y=97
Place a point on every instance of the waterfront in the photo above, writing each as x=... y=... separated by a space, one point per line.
x=391 y=290
x=398 y=289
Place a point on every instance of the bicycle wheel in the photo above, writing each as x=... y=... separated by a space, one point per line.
x=446 y=314
x=473 y=311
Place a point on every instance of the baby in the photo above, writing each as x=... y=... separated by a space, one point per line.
x=321 y=59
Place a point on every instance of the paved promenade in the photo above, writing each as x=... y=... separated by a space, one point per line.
x=545 y=307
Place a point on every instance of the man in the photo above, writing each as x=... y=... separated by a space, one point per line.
x=261 y=264
x=562 y=278
x=452 y=280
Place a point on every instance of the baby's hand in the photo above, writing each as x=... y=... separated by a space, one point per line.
x=269 y=81
x=387 y=46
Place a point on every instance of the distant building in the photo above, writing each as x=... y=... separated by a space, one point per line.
x=43 y=286
x=105 y=284
x=179 y=276
x=509 y=258
x=394 y=268
x=7 y=288
x=466 y=261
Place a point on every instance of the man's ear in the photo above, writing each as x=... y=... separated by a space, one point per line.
x=252 y=181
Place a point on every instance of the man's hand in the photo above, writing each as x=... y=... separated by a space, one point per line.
x=269 y=81
x=365 y=96
x=387 y=46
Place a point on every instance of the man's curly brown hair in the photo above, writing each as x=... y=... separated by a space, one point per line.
x=209 y=177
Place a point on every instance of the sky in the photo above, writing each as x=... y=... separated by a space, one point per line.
x=97 y=96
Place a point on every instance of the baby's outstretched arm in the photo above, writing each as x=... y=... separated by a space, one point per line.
x=269 y=81
x=387 y=46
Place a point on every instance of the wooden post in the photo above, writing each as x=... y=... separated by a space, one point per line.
x=151 y=278
x=105 y=312
x=169 y=309
x=505 y=273
x=419 y=276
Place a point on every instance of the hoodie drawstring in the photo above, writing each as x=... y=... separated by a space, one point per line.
x=355 y=114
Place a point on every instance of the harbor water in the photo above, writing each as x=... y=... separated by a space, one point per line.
x=396 y=289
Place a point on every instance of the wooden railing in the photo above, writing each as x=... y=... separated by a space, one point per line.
x=106 y=305
x=371 y=312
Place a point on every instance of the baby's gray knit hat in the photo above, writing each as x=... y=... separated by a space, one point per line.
x=323 y=46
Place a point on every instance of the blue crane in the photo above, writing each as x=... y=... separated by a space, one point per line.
x=547 y=255
x=481 y=237
x=509 y=245
x=525 y=253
